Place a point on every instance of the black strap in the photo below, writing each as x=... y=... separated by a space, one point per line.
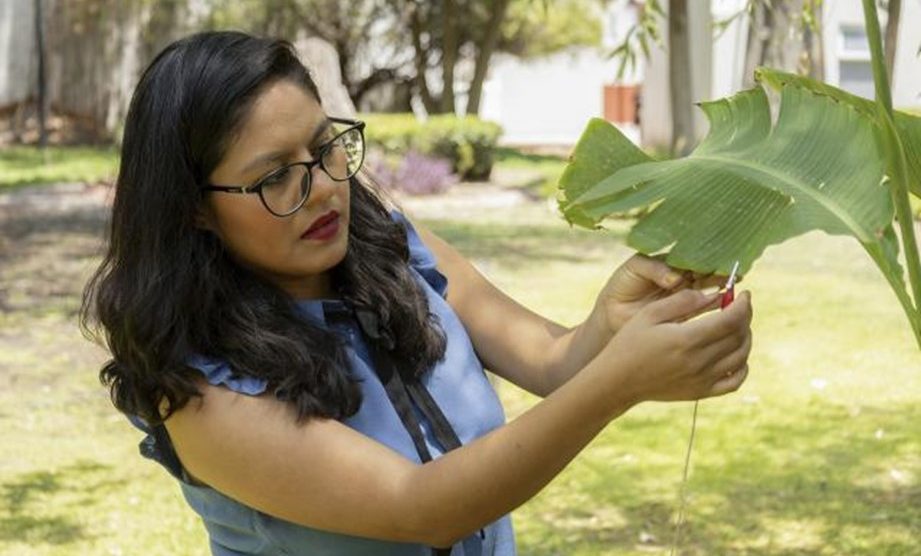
x=399 y=397
x=444 y=433
x=408 y=390
x=164 y=451
x=403 y=391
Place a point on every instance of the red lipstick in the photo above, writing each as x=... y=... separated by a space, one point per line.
x=324 y=227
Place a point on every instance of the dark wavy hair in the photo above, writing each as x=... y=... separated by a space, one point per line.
x=167 y=289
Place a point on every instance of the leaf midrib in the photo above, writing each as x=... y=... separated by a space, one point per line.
x=824 y=200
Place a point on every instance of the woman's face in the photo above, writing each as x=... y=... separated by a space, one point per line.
x=285 y=124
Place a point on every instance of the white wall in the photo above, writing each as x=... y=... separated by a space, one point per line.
x=906 y=86
x=728 y=54
x=907 y=72
x=728 y=60
x=549 y=100
x=546 y=101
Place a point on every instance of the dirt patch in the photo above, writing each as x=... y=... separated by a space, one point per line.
x=50 y=239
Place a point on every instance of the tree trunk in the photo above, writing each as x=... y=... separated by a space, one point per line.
x=42 y=88
x=679 y=77
x=814 y=51
x=345 y=55
x=892 y=35
x=341 y=43
x=323 y=60
x=500 y=7
x=760 y=27
x=448 y=55
x=415 y=27
x=377 y=77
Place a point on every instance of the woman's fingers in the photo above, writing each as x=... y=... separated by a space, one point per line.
x=656 y=271
x=714 y=304
x=717 y=325
x=704 y=281
x=712 y=354
x=676 y=307
x=731 y=361
x=709 y=281
x=729 y=383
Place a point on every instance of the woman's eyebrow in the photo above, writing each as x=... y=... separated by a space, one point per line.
x=276 y=156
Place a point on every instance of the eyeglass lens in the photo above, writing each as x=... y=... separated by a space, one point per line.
x=285 y=190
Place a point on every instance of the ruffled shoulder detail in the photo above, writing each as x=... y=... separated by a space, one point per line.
x=219 y=373
x=420 y=257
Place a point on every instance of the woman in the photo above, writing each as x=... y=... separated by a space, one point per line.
x=309 y=363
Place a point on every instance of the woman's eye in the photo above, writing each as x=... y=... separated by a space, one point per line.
x=325 y=140
x=276 y=177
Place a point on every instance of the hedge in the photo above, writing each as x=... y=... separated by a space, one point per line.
x=467 y=142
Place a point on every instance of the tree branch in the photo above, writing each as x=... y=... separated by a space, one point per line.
x=449 y=54
x=500 y=8
x=415 y=27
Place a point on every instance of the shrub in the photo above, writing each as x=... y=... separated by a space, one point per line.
x=414 y=173
x=467 y=142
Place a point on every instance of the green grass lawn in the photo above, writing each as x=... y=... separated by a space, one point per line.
x=543 y=171
x=818 y=454
x=22 y=165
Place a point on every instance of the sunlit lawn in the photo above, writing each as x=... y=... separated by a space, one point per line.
x=544 y=171
x=819 y=453
x=24 y=165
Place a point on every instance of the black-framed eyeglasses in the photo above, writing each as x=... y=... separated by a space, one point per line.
x=285 y=190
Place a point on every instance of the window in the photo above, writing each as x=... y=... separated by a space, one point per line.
x=857 y=78
x=854 y=41
x=855 y=71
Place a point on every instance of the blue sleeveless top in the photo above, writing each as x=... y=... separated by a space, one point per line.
x=457 y=383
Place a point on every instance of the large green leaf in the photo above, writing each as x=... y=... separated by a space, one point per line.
x=751 y=183
x=600 y=152
x=908 y=125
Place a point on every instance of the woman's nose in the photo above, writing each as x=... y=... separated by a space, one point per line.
x=322 y=187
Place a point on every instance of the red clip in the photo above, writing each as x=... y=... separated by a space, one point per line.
x=729 y=294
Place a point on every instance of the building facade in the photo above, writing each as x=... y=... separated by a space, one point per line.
x=548 y=101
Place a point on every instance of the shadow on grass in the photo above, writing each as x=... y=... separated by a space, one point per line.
x=21 y=227
x=39 y=505
x=45 y=256
x=520 y=245
x=781 y=485
x=505 y=154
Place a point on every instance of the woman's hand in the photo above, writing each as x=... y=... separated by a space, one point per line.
x=640 y=281
x=672 y=358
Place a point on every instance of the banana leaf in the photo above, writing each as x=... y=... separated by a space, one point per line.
x=751 y=183
x=908 y=125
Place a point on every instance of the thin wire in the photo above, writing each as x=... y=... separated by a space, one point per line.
x=682 y=501
x=682 y=498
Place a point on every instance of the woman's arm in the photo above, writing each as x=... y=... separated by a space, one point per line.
x=514 y=342
x=323 y=474
x=534 y=352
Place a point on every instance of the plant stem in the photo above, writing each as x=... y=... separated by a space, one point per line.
x=897 y=163
x=871 y=22
x=893 y=276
